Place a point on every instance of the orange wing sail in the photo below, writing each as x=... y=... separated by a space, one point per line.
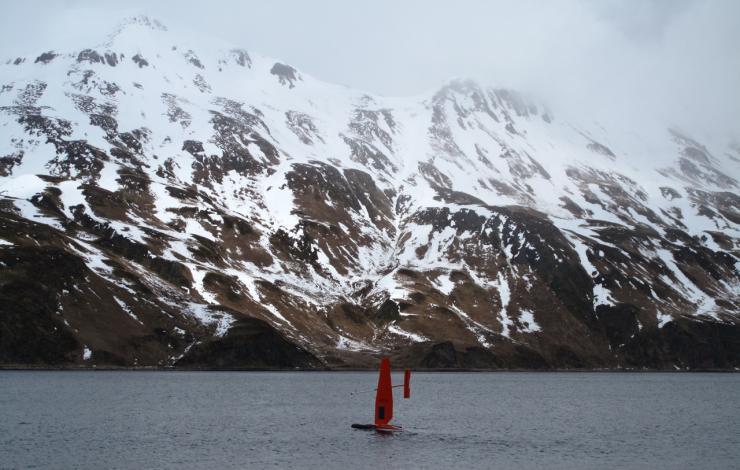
x=384 y=397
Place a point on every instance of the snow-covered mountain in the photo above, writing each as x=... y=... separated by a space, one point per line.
x=168 y=202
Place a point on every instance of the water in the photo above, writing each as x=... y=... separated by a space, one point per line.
x=220 y=420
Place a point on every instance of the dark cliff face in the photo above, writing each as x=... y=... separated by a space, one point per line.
x=152 y=214
x=249 y=344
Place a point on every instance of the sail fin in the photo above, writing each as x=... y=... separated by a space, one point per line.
x=384 y=395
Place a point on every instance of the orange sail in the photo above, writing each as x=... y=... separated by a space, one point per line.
x=384 y=396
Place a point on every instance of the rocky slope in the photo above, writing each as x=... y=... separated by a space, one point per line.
x=172 y=204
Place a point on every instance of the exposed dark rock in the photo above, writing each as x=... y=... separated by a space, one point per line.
x=303 y=126
x=441 y=356
x=45 y=58
x=669 y=193
x=685 y=344
x=31 y=330
x=174 y=110
x=7 y=162
x=249 y=344
x=241 y=57
x=201 y=84
x=387 y=312
x=140 y=61
x=286 y=74
x=601 y=149
x=193 y=59
x=91 y=56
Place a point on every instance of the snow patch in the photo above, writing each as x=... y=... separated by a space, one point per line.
x=444 y=284
x=505 y=295
x=348 y=344
x=393 y=328
x=529 y=325
x=127 y=309
x=663 y=319
x=210 y=317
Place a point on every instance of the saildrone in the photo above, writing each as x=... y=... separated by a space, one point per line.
x=384 y=399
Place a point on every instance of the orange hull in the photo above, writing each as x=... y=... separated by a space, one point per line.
x=384 y=395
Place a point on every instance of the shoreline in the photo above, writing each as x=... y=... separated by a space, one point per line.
x=26 y=368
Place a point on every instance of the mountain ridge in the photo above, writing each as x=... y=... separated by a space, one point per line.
x=190 y=205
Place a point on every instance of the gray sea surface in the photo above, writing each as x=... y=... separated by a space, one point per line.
x=215 y=420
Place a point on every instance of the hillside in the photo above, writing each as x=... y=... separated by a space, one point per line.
x=171 y=202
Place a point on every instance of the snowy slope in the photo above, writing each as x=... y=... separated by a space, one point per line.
x=193 y=186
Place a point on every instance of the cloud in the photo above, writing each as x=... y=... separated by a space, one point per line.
x=673 y=61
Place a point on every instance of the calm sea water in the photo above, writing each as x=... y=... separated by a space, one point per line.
x=220 y=420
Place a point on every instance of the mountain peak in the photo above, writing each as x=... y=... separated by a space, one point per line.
x=134 y=25
x=140 y=20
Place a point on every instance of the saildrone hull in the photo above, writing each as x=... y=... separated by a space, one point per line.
x=384 y=396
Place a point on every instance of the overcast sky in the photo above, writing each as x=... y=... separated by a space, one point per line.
x=678 y=59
